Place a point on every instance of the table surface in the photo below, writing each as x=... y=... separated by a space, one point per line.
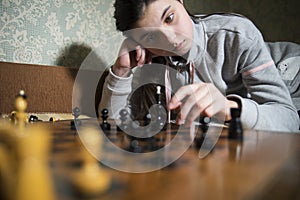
x=264 y=165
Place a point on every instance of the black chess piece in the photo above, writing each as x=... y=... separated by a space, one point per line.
x=204 y=123
x=160 y=116
x=123 y=117
x=153 y=144
x=235 y=130
x=147 y=119
x=105 y=125
x=33 y=118
x=134 y=146
x=76 y=122
x=204 y=120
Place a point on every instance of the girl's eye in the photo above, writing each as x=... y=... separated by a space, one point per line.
x=170 y=18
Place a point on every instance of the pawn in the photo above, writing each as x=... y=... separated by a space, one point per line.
x=75 y=123
x=235 y=130
x=199 y=139
x=204 y=120
x=52 y=119
x=134 y=146
x=147 y=119
x=76 y=112
x=123 y=117
x=12 y=117
x=33 y=118
x=105 y=125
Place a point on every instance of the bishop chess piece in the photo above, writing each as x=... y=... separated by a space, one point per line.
x=235 y=130
x=105 y=125
x=21 y=106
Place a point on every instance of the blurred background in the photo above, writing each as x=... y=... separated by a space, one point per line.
x=64 y=32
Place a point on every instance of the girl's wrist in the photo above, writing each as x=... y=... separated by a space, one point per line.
x=120 y=71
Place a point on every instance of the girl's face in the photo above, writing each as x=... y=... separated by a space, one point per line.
x=165 y=28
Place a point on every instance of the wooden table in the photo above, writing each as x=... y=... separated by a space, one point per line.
x=265 y=165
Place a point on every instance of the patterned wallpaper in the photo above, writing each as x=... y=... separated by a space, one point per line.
x=63 y=32
x=55 y=32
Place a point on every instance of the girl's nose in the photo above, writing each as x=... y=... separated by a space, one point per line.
x=169 y=35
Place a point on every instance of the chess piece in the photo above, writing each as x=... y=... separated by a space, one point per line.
x=159 y=118
x=204 y=124
x=34 y=179
x=91 y=179
x=76 y=122
x=204 y=120
x=158 y=95
x=53 y=119
x=235 y=130
x=199 y=139
x=123 y=117
x=21 y=106
x=33 y=118
x=134 y=145
x=7 y=171
x=105 y=125
x=12 y=117
x=147 y=119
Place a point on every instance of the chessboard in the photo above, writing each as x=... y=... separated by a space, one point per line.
x=79 y=159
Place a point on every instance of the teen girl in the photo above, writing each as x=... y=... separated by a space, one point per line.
x=222 y=62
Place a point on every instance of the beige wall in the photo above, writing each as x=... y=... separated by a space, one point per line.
x=65 y=32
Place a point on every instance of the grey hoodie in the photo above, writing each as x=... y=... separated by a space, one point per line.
x=229 y=52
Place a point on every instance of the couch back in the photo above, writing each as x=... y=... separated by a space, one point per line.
x=48 y=88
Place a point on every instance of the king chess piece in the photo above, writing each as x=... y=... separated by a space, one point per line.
x=160 y=117
x=34 y=179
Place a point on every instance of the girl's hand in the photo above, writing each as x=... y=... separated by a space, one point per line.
x=131 y=55
x=200 y=98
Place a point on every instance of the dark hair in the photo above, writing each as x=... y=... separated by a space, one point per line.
x=128 y=12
